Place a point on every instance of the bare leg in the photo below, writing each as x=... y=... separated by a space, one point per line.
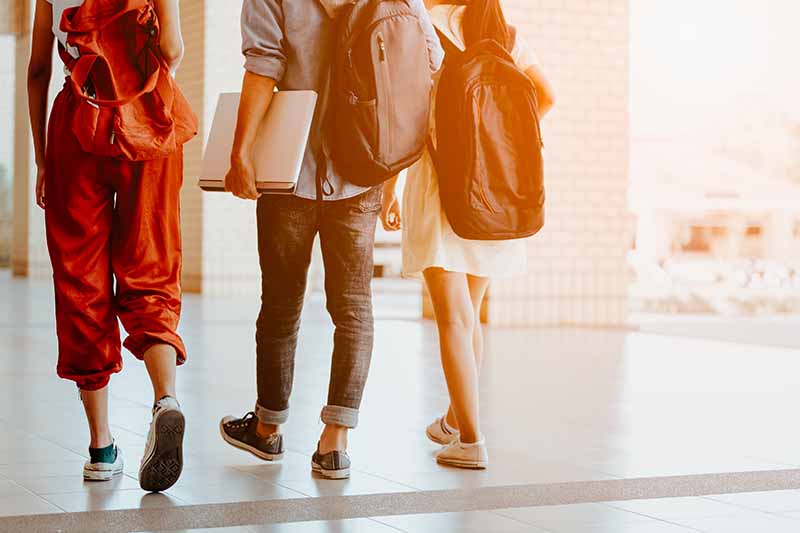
x=160 y=362
x=95 y=403
x=333 y=438
x=477 y=291
x=455 y=318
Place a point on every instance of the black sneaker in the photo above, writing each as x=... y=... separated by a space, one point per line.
x=332 y=465
x=241 y=433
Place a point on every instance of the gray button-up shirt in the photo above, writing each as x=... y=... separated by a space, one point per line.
x=288 y=41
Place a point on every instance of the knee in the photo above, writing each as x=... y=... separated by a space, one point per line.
x=353 y=309
x=457 y=322
x=279 y=317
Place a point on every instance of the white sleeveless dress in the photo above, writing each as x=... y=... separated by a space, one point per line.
x=428 y=239
x=59 y=6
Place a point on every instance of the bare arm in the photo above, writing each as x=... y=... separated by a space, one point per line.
x=40 y=69
x=390 y=213
x=256 y=98
x=169 y=18
x=544 y=89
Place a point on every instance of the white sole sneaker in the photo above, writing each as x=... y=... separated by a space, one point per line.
x=162 y=463
x=437 y=432
x=244 y=446
x=343 y=473
x=104 y=471
x=473 y=456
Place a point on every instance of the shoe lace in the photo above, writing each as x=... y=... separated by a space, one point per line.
x=245 y=421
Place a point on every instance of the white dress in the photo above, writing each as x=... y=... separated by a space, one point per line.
x=59 y=6
x=428 y=239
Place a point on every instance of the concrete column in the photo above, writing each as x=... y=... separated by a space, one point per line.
x=22 y=146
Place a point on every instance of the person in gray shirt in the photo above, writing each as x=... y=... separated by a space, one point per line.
x=287 y=45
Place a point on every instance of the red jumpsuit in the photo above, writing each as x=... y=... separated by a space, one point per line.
x=110 y=220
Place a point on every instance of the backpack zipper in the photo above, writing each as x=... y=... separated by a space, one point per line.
x=381 y=48
x=384 y=133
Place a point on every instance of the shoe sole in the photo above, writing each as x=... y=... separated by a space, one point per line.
x=164 y=466
x=435 y=439
x=100 y=475
x=247 y=448
x=469 y=465
x=343 y=473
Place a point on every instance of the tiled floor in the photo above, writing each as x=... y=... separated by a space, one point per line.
x=559 y=406
x=770 y=512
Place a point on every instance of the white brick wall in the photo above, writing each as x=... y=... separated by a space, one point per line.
x=230 y=250
x=578 y=273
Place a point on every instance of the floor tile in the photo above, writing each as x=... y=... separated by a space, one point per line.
x=680 y=508
x=242 y=490
x=20 y=471
x=112 y=500
x=361 y=525
x=76 y=483
x=25 y=504
x=653 y=526
x=358 y=483
x=560 y=518
x=771 y=502
x=9 y=488
x=763 y=523
x=467 y=522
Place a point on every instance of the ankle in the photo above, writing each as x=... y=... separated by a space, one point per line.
x=166 y=393
x=470 y=438
x=333 y=438
x=265 y=430
x=450 y=422
x=102 y=440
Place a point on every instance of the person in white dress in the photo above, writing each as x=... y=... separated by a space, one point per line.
x=457 y=271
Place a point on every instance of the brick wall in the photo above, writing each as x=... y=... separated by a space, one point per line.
x=191 y=78
x=578 y=273
x=230 y=252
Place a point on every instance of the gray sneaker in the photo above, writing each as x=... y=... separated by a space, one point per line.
x=162 y=462
x=241 y=433
x=332 y=465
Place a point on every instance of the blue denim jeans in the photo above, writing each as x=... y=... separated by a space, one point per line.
x=287 y=227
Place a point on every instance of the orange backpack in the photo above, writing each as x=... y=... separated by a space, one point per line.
x=130 y=107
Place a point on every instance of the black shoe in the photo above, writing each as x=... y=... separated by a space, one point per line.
x=332 y=465
x=241 y=433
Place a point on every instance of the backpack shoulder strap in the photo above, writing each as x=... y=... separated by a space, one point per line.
x=512 y=31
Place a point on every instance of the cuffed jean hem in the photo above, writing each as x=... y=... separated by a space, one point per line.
x=267 y=416
x=335 y=415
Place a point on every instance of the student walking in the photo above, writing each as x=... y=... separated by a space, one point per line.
x=109 y=175
x=289 y=45
x=458 y=263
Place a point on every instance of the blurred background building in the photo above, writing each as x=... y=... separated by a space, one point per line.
x=673 y=163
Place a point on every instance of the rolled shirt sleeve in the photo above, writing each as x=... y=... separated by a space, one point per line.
x=263 y=39
x=435 y=50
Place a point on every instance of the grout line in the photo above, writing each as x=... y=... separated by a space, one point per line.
x=390 y=526
x=422 y=502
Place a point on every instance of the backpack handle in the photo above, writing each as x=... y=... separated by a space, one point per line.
x=80 y=73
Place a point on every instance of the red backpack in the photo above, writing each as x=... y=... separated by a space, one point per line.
x=129 y=106
x=488 y=154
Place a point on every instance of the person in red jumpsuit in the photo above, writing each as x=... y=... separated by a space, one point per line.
x=113 y=233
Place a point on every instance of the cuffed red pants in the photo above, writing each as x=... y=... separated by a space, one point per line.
x=107 y=220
